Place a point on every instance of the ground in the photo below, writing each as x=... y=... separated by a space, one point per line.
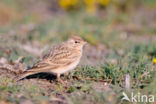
x=120 y=44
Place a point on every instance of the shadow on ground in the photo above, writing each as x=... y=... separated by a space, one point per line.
x=47 y=76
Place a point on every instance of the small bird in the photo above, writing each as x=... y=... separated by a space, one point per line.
x=61 y=58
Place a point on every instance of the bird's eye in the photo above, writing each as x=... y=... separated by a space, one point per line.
x=77 y=42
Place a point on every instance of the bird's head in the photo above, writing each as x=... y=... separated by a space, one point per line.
x=76 y=42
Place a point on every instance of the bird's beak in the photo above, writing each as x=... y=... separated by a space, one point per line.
x=85 y=43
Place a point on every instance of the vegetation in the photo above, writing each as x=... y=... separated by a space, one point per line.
x=121 y=41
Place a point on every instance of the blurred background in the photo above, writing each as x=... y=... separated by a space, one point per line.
x=34 y=25
x=121 y=36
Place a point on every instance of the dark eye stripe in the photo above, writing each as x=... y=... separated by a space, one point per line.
x=77 y=42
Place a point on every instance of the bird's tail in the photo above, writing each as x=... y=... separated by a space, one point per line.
x=23 y=75
x=30 y=72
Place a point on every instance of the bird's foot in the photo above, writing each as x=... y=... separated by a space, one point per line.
x=61 y=81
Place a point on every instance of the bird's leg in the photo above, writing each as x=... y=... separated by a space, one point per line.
x=59 y=79
x=65 y=75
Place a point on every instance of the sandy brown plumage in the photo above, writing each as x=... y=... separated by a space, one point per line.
x=60 y=59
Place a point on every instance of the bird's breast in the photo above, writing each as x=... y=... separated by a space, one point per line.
x=66 y=68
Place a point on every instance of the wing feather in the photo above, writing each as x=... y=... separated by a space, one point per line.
x=58 y=56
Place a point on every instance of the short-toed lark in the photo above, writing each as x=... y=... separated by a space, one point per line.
x=61 y=58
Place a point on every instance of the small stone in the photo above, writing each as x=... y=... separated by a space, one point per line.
x=3 y=60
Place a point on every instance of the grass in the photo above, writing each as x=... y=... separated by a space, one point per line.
x=130 y=51
x=137 y=63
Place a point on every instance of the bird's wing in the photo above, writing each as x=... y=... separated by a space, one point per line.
x=58 y=57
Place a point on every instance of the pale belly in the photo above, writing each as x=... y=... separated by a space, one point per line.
x=66 y=69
